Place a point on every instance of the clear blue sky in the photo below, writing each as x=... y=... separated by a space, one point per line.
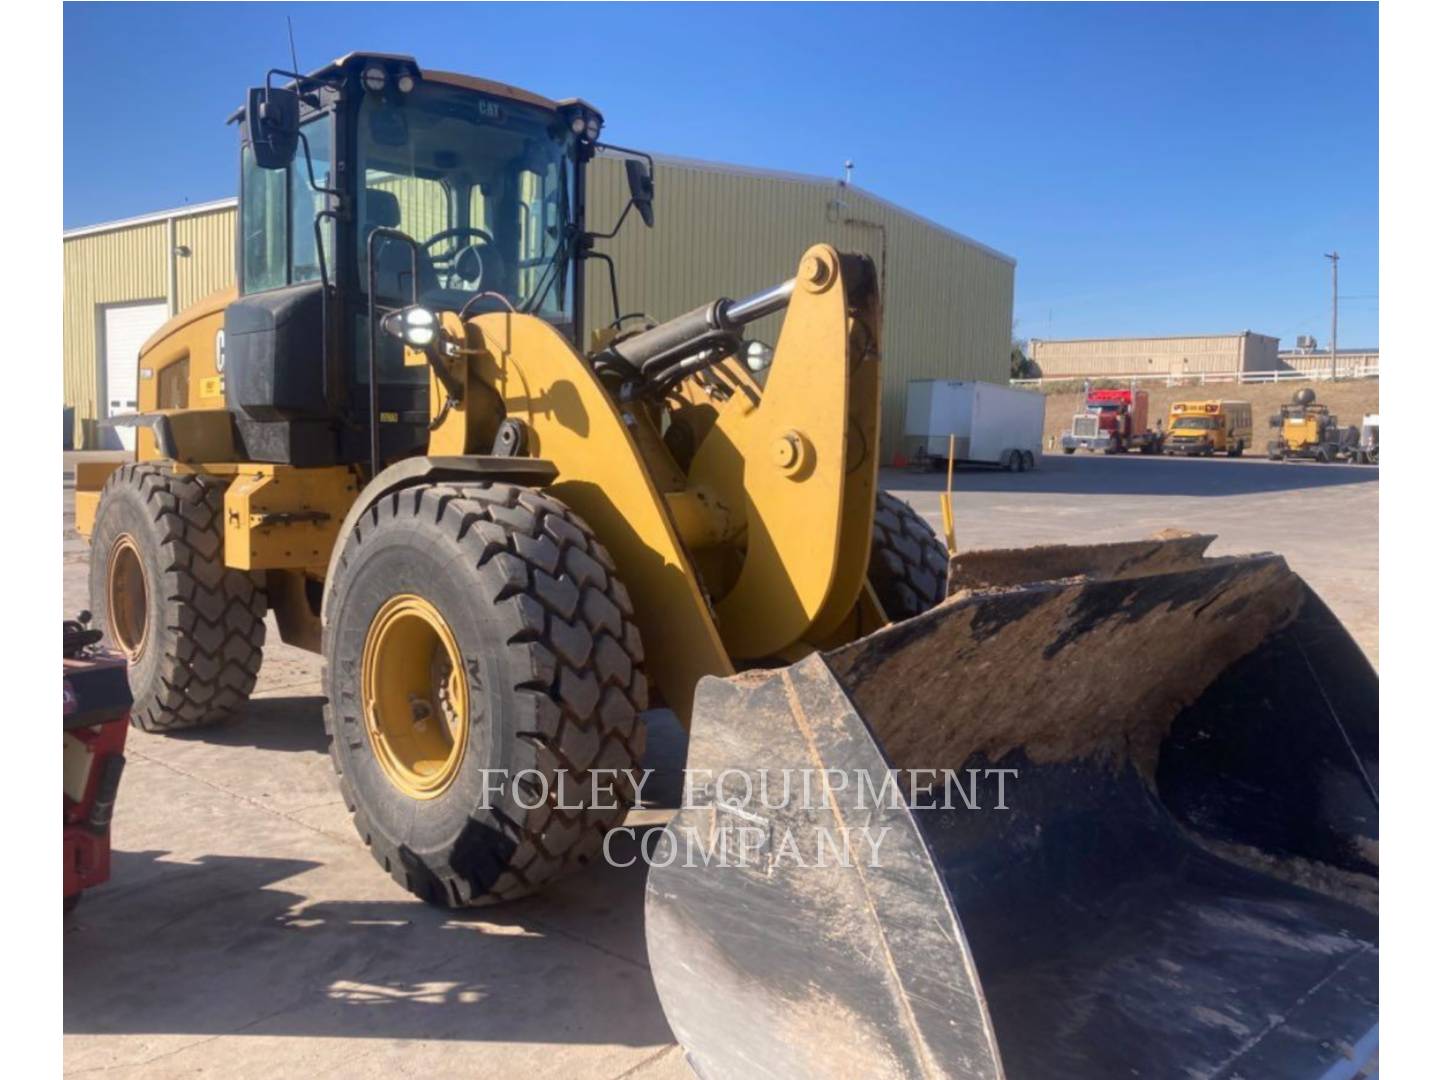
x=1154 y=169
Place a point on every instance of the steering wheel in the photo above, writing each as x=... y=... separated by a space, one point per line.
x=463 y=265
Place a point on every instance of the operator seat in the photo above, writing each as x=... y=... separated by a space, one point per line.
x=392 y=257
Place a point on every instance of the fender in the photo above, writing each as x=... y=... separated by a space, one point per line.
x=533 y=472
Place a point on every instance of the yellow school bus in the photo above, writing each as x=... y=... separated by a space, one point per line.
x=1209 y=427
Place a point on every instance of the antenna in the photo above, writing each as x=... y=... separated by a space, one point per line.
x=294 y=61
x=849 y=171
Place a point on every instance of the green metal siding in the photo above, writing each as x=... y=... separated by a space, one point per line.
x=210 y=264
x=123 y=266
x=723 y=232
x=718 y=232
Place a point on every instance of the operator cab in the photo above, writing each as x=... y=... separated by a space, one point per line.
x=426 y=188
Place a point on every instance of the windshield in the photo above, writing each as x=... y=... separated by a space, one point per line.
x=1193 y=423
x=483 y=184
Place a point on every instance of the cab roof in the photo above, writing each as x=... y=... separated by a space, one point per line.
x=450 y=78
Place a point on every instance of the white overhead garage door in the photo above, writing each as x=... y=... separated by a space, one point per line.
x=126 y=326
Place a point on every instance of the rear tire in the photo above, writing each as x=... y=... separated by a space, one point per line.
x=1029 y=461
x=552 y=682
x=192 y=629
x=908 y=563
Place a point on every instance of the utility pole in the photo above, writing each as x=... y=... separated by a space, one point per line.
x=1334 y=257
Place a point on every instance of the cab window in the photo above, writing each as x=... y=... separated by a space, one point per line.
x=277 y=216
x=262 y=226
x=306 y=202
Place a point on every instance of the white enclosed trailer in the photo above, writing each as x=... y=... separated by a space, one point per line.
x=992 y=425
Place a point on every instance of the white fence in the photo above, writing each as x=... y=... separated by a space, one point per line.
x=1203 y=378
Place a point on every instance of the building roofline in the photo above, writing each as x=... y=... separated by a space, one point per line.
x=665 y=159
x=1155 y=337
x=1326 y=352
x=701 y=165
x=191 y=210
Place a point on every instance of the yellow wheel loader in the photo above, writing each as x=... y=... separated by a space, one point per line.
x=508 y=542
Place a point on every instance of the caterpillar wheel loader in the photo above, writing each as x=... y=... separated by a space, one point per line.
x=507 y=542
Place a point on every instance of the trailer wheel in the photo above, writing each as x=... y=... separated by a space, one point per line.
x=1069 y=449
x=1236 y=450
x=1029 y=460
x=908 y=563
x=1322 y=454
x=484 y=686
x=192 y=629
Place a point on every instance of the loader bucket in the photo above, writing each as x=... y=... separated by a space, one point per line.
x=1182 y=881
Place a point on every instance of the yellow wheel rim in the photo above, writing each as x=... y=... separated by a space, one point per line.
x=128 y=596
x=416 y=700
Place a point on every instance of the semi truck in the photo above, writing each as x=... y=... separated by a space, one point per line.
x=991 y=425
x=1113 y=421
x=1209 y=427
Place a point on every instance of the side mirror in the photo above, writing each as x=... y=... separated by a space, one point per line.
x=642 y=189
x=272 y=120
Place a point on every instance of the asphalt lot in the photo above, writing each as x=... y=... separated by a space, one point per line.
x=247 y=930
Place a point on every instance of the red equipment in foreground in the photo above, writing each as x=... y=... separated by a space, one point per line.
x=96 y=714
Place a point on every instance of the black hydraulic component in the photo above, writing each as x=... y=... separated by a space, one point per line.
x=716 y=325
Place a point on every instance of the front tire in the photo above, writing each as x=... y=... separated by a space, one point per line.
x=192 y=629
x=456 y=778
x=909 y=565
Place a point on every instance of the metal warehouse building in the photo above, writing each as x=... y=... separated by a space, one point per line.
x=1211 y=354
x=720 y=230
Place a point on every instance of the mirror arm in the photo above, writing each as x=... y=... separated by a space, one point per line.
x=333 y=81
x=590 y=253
x=310 y=169
x=628 y=152
x=613 y=232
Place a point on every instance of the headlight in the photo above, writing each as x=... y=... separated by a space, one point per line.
x=405 y=82
x=577 y=124
x=418 y=327
x=592 y=128
x=373 y=79
x=758 y=356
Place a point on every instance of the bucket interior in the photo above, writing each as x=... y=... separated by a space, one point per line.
x=1214 y=919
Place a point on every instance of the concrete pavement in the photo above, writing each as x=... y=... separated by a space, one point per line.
x=246 y=930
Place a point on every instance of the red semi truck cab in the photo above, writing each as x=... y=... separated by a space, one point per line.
x=1112 y=421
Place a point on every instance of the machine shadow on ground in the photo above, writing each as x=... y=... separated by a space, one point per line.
x=219 y=947
x=297 y=725
x=1136 y=474
x=284 y=724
